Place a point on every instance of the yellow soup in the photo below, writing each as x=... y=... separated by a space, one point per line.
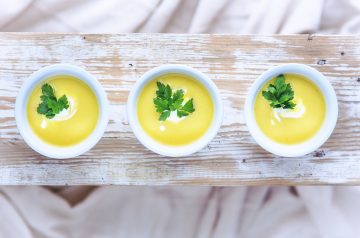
x=71 y=126
x=297 y=125
x=179 y=131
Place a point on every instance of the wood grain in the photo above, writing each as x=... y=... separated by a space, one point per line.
x=233 y=62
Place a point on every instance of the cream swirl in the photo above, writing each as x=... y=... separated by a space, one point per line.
x=297 y=112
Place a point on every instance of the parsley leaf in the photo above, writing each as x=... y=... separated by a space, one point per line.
x=280 y=94
x=165 y=114
x=50 y=105
x=166 y=101
x=186 y=109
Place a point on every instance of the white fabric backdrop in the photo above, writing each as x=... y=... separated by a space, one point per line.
x=181 y=211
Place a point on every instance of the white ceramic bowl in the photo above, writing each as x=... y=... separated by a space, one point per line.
x=166 y=150
x=32 y=139
x=319 y=138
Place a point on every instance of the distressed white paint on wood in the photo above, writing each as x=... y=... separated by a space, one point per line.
x=233 y=62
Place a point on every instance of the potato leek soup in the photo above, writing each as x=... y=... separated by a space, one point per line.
x=63 y=110
x=175 y=109
x=290 y=109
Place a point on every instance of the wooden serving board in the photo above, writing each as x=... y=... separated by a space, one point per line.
x=232 y=61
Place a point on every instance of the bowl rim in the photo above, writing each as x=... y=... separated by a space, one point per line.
x=168 y=150
x=41 y=146
x=316 y=140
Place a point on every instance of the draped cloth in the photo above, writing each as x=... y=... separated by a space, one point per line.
x=126 y=211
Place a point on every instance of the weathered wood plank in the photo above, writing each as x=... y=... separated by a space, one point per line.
x=233 y=62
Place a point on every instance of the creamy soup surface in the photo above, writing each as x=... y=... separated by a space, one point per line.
x=297 y=125
x=72 y=125
x=176 y=131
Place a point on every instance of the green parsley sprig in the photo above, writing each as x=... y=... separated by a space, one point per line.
x=166 y=101
x=50 y=105
x=280 y=94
